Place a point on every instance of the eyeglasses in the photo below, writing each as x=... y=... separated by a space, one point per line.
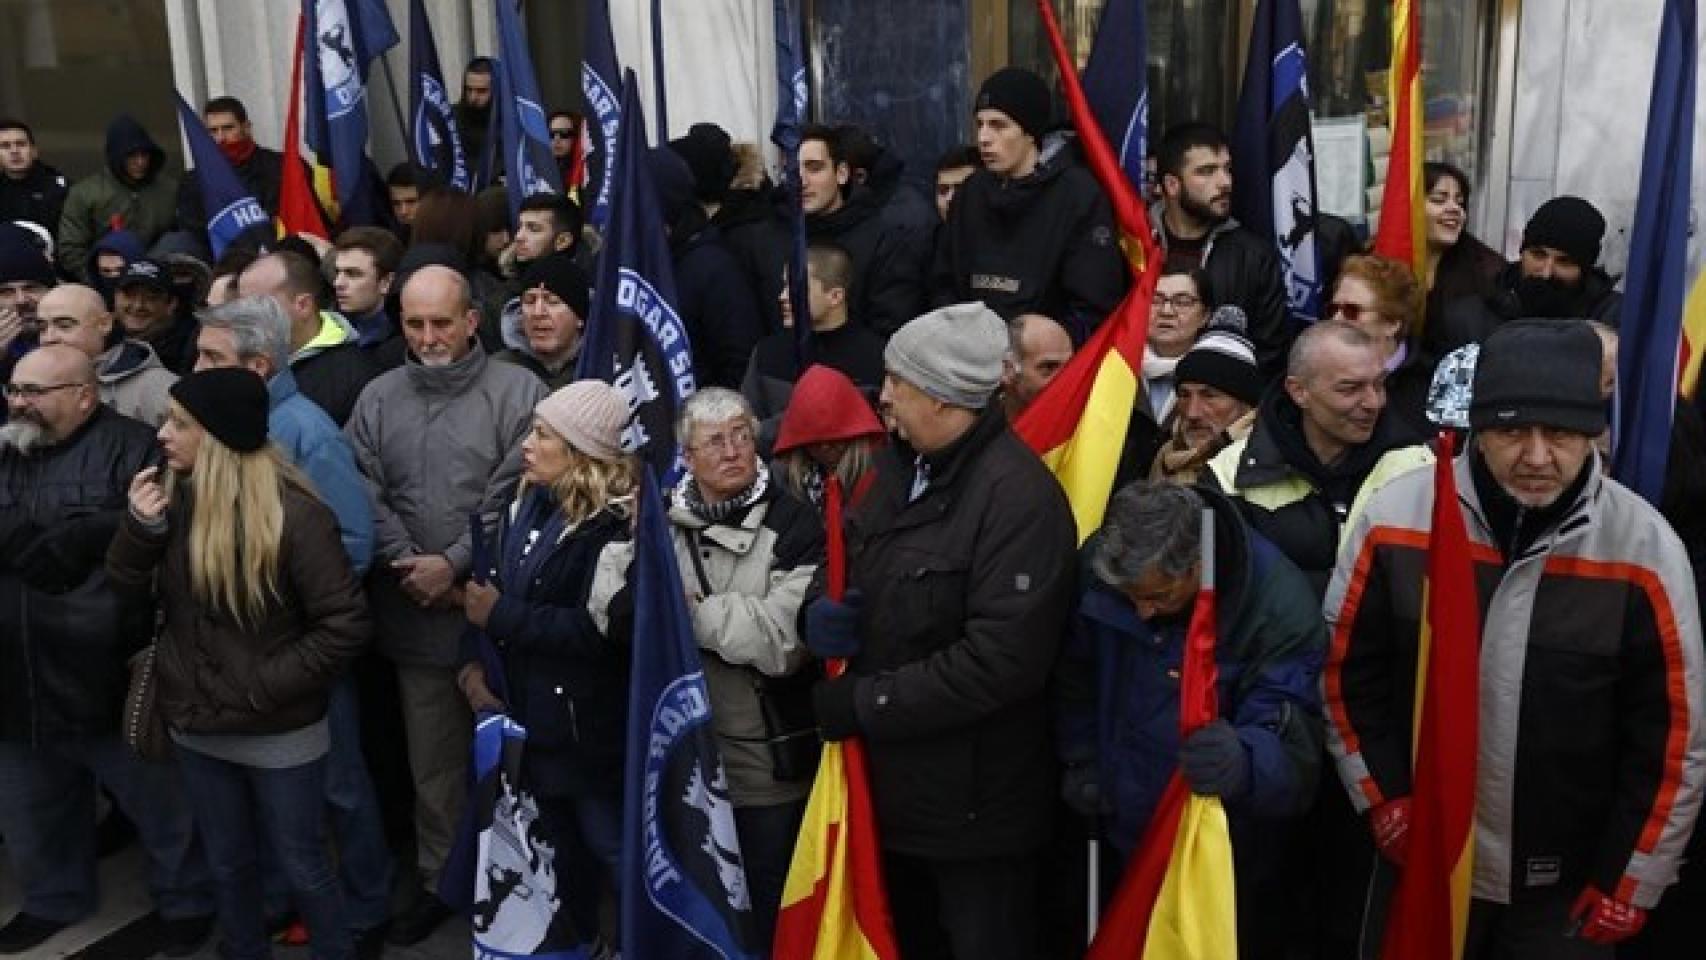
x=1352 y=312
x=34 y=391
x=740 y=438
x=558 y=133
x=1180 y=303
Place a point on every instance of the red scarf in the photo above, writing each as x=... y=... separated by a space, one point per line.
x=238 y=151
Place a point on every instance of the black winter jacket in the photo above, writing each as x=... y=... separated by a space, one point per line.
x=1243 y=270
x=1470 y=319
x=966 y=595
x=564 y=680
x=889 y=262
x=65 y=634
x=723 y=323
x=1040 y=244
x=39 y=197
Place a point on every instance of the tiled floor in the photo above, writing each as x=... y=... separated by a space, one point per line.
x=124 y=898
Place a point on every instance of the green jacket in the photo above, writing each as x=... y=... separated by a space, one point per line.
x=109 y=200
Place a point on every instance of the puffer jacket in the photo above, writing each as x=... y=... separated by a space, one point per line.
x=65 y=634
x=436 y=444
x=134 y=381
x=749 y=575
x=1039 y=244
x=1289 y=497
x=217 y=675
x=110 y=200
x=966 y=594
x=564 y=678
x=1117 y=688
x=1592 y=747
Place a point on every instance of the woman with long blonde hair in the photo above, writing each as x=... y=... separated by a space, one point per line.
x=261 y=612
x=557 y=672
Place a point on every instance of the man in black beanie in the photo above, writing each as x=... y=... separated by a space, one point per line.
x=1556 y=275
x=542 y=334
x=1030 y=232
x=1591 y=740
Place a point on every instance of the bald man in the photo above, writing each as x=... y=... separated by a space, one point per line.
x=438 y=438
x=65 y=635
x=1039 y=349
x=132 y=379
x=330 y=368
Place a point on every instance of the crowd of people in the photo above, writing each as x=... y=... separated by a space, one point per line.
x=238 y=568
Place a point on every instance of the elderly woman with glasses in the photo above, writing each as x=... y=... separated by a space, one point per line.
x=1176 y=316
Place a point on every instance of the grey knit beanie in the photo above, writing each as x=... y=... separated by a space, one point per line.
x=953 y=354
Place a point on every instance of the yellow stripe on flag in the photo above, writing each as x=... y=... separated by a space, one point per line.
x=1086 y=463
x=818 y=875
x=1196 y=913
x=1693 y=336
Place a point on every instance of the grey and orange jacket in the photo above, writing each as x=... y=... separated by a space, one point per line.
x=1592 y=748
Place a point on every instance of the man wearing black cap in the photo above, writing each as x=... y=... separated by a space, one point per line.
x=1591 y=743
x=1194 y=223
x=888 y=257
x=1214 y=404
x=542 y=328
x=25 y=276
x=1556 y=275
x=1031 y=232
x=148 y=309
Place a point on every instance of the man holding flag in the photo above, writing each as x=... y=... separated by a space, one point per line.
x=1587 y=764
x=1117 y=689
x=960 y=565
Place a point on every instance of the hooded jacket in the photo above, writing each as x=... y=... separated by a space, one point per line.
x=1288 y=496
x=110 y=200
x=331 y=369
x=769 y=383
x=120 y=242
x=65 y=633
x=1117 y=687
x=1244 y=270
x=436 y=444
x=1469 y=319
x=1038 y=244
x=1592 y=749
x=890 y=261
x=38 y=196
x=134 y=382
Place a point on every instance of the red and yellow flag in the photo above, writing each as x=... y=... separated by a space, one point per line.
x=1693 y=338
x=297 y=211
x=1176 y=900
x=834 y=906
x=1402 y=234
x=1079 y=422
x=1431 y=905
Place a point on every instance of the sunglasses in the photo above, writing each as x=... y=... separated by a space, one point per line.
x=557 y=133
x=1352 y=312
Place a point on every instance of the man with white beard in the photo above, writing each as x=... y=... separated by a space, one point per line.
x=65 y=468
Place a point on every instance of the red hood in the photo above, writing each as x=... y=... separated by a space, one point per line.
x=825 y=406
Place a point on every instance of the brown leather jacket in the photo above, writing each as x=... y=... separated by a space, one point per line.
x=219 y=676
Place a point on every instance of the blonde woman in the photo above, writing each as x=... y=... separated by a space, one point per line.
x=563 y=679
x=261 y=614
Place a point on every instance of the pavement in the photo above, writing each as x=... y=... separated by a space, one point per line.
x=111 y=933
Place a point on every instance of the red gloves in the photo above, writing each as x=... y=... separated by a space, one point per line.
x=1600 y=919
x=1391 y=825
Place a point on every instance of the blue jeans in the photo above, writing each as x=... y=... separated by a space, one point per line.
x=235 y=805
x=47 y=817
x=365 y=867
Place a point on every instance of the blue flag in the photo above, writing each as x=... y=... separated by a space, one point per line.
x=634 y=337
x=434 y=143
x=601 y=80
x=1655 y=286
x=529 y=167
x=231 y=209
x=1117 y=84
x=348 y=35
x=1274 y=191
x=684 y=892
x=792 y=95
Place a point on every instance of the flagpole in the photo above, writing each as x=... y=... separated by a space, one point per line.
x=396 y=103
x=1093 y=859
x=657 y=73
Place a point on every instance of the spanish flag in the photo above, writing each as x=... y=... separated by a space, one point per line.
x=1175 y=900
x=1430 y=908
x=1403 y=218
x=297 y=210
x=834 y=906
x=1078 y=423
x=1693 y=337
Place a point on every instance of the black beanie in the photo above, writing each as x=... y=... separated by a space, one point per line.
x=1020 y=94
x=229 y=402
x=1570 y=224
x=1539 y=372
x=559 y=273
x=711 y=156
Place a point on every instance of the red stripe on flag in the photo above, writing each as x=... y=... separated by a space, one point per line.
x=297 y=210
x=1399 y=233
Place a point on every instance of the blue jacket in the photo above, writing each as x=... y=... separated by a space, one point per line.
x=1117 y=686
x=318 y=448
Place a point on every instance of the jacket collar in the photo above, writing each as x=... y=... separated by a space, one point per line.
x=1583 y=511
x=737 y=535
x=281 y=388
x=1277 y=450
x=449 y=380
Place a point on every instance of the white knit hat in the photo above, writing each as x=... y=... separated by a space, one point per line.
x=590 y=415
x=953 y=354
